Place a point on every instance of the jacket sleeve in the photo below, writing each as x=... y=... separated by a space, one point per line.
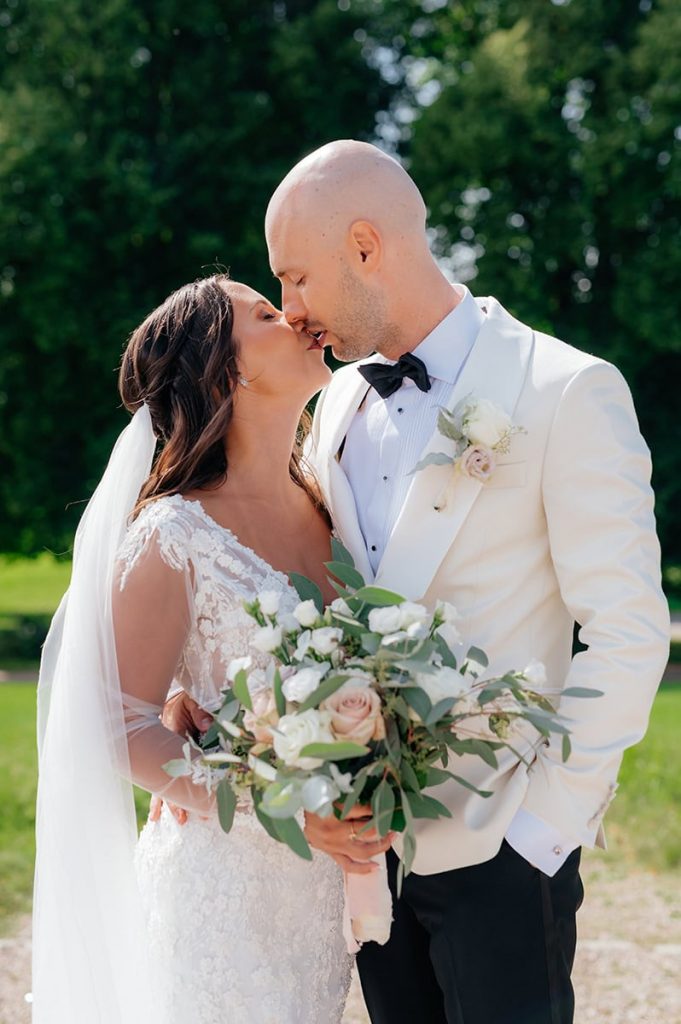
x=599 y=510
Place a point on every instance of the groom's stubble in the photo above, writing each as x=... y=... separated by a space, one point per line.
x=361 y=324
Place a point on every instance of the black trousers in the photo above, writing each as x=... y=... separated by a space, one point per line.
x=489 y=944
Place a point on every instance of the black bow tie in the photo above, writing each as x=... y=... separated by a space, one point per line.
x=387 y=379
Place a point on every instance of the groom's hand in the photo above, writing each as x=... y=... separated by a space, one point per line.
x=182 y=715
x=344 y=841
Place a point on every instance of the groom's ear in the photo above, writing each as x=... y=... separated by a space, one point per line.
x=366 y=243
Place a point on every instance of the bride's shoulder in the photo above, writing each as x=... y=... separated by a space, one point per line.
x=164 y=525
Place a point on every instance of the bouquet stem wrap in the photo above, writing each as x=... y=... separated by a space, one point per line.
x=368 y=910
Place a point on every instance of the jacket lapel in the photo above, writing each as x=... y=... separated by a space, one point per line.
x=495 y=370
x=340 y=406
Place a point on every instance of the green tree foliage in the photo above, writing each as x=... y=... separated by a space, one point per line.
x=551 y=163
x=139 y=144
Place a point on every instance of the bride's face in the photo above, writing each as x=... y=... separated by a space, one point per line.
x=273 y=357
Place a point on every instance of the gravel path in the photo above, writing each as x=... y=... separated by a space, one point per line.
x=628 y=968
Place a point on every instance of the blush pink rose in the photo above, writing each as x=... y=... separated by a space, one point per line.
x=264 y=715
x=355 y=714
x=478 y=462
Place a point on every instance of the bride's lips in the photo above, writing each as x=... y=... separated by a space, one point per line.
x=317 y=340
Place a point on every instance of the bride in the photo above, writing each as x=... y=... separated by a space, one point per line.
x=187 y=924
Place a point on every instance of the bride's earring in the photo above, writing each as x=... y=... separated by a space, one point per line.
x=243 y=382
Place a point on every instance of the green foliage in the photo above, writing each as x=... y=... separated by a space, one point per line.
x=139 y=145
x=551 y=164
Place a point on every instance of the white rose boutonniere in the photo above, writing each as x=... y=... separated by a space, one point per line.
x=480 y=431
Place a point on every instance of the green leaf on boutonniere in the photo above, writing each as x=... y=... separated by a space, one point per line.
x=434 y=459
x=226 y=804
x=346 y=574
x=341 y=553
x=240 y=689
x=307 y=590
x=447 y=426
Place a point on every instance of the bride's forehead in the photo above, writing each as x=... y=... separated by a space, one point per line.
x=241 y=293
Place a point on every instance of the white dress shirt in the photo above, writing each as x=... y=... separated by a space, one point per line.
x=382 y=446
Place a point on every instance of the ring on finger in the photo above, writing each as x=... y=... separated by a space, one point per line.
x=353 y=834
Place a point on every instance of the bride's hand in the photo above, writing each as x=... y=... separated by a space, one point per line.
x=182 y=715
x=344 y=841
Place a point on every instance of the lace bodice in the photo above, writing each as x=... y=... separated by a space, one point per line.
x=221 y=574
x=179 y=619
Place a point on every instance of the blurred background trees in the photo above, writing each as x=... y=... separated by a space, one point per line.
x=139 y=144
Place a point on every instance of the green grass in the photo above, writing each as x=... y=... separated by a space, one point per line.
x=643 y=824
x=18 y=770
x=32 y=586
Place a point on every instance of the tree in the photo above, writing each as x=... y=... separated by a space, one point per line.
x=551 y=164
x=139 y=144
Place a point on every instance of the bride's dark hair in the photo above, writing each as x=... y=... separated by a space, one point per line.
x=182 y=362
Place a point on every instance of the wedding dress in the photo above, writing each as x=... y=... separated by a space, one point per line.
x=244 y=930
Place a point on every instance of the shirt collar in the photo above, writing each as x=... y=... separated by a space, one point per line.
x=448 y=345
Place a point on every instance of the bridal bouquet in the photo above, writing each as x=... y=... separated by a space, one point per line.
x=364 y=701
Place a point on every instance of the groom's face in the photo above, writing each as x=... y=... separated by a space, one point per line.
x=323 y=294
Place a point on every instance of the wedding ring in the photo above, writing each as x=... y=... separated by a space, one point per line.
x=353 y=834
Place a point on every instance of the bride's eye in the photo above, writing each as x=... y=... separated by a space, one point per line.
x=269 y=316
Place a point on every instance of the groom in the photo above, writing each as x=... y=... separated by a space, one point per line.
x=563 y=531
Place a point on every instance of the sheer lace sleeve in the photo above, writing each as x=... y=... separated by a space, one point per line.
x=153 y=612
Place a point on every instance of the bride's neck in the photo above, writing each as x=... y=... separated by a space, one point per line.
x=259 y=453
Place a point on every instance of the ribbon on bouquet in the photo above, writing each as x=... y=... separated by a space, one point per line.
x=368 y=908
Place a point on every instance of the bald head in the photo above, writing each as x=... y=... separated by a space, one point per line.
x=346 y=233
x=347 y=181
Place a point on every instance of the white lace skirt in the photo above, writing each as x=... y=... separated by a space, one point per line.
x=251 y=932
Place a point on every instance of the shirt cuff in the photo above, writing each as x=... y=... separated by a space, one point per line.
x=539 y=843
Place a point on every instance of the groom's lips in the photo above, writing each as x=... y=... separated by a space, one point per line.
x=317 y=340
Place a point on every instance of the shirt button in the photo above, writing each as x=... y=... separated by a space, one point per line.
x=558 y=850
x=373 y=547
x=385 y=478
x=400 y=410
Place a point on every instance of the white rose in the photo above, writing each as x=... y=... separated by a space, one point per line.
x=267 y=638
x=306 y=613
x=301 y=684
x=449 y=634
x=295 y=732
x=448 y=612
x=236 y=665
x=341 y=607
x=535 y=673
x=417 y=631
x=485 y=423
x=303 y=645
x=326 y=640
x=441 y=685
x=411 y=613
x=269 y=602
x=318 y=795
x=288 y=622
x=394 y=638
x=385 y=620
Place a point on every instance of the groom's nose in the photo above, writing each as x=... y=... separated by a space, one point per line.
x=294 y=308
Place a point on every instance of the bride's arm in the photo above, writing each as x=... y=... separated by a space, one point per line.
x=152 y=606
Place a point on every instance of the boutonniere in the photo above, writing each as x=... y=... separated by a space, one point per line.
x=480 y=431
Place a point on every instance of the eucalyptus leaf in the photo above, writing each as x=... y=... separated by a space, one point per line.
x=444 y=651
x=419 y=700
x=279 y=698
x=439 y=710
x=475 y=654
x=307 y=590
x=423 y=806
x=289 y=831
x=409 y=779
x=581 y=691
x=436 y=776
x=371 y=642
x=566 y=748
x=226 y=800
x=379 y=597
x=177 y=768
x=382 y=806
x=241 y=691
x=346 y=574
x=334 y=751
x=434 y=459
x=341 y=553
x=324 y=690
x=469 y=785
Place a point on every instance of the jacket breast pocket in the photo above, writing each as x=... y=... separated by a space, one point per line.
x=508 y=474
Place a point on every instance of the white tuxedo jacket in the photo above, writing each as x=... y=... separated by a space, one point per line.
x=563 y=531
